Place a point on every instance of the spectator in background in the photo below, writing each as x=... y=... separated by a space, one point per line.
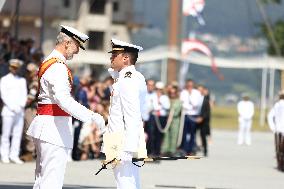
x=276 y=123
x=108 y=82
x=203 y=120
x=148 y=117
x=14 y=96
x=191 y=102
x=169 y=145
x=246 y=111
x=161 y=106
x=80 y=95
x=28 y=148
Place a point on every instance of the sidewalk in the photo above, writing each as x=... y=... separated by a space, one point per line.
x=228 y=166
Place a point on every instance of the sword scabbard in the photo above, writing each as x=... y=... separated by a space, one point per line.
x=193 y=157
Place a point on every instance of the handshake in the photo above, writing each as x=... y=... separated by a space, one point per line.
x=98 y=120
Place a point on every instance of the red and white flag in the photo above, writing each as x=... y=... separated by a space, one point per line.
x=189 y=45
x=194 y=8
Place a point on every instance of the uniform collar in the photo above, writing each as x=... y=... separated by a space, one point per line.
x=126 y=69
x=56 y=54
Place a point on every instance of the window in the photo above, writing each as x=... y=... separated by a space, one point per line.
x=97 y=6
x=96 y=41
x=115 y=6
x=66 y=3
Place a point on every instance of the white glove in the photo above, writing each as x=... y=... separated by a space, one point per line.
x=114 y=74
x=99 y=121
x=125 y=156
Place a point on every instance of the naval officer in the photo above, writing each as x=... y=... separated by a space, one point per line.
x=14 y=96
x=246 y=111
x=52 y=128
x=128 y=106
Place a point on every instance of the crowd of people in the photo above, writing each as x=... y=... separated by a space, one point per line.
x=171 y=120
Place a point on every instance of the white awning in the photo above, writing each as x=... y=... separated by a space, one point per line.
x=163 y=52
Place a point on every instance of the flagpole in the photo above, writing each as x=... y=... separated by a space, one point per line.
x=173 y=39
x=183 y=68
x=16 y=32
x=263 y=96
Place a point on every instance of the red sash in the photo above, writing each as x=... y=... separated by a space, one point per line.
x=50 y=109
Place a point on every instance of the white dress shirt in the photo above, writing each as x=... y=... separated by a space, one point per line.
x=276 y=117
x=13 y=94
x=161 y=105
x=128 y=103
x=191 y=101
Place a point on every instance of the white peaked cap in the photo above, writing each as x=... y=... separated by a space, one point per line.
x=118 y=45
x=80 y=37
x=15 y=63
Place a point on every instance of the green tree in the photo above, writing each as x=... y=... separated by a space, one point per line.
x=271 y=1
x=278 y=30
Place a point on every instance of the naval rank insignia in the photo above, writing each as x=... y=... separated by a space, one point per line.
x=127 y=74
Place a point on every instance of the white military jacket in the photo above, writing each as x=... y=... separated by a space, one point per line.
x=13 y=94
x=245 y=109
x=128 y=104
x=55 y=89
x=276 y=117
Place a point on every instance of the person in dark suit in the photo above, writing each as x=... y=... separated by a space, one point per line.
x=203 y=120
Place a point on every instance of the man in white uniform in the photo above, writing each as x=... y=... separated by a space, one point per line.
x=52 y=128
x=14 y=96
x=128 y=103
x=246 y=111
x=276 y=123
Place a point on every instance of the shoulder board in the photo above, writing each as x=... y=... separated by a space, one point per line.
x=128 y=75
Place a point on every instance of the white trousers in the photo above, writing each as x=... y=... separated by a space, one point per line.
x=127 y=176
x=11 y=126
x=244 y=131
x=50 y=165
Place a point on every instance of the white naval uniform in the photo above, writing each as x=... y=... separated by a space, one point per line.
x=128 y=102
x=53 y=134
x=246 y=112
x=14 y=96
x=276 y=117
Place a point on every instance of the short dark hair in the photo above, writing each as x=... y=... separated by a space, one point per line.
x=133 y=57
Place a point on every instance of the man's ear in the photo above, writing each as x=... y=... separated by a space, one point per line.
x=66 y=44
x=125 y=57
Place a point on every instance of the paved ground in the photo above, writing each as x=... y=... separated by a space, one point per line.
x=228 y=166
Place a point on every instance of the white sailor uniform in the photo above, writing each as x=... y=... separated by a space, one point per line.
x=246 y=112
x=128 y=103
x=14 y=96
